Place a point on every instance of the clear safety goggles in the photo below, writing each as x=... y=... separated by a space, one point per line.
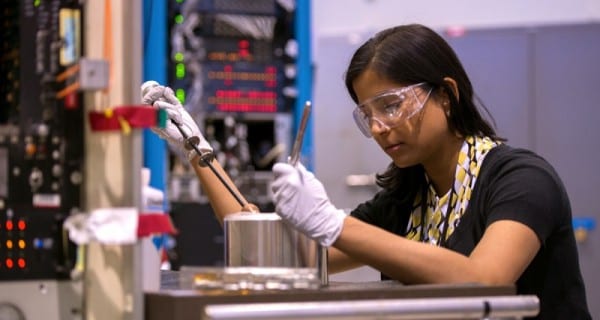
x=390 y=108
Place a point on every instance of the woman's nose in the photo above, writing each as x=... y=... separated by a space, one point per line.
x=378 y=127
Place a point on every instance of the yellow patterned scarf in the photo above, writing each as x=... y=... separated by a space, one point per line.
x=442 y=215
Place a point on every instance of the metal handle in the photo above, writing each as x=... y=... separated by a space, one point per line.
x=295 y=155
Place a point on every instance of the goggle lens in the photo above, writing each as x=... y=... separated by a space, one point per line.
x=389 y=108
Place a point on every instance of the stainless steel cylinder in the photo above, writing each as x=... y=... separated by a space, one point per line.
x=265 y=240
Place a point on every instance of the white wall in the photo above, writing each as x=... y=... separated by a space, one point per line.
x=334 y=17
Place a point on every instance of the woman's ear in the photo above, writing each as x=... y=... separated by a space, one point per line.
x=453 y=86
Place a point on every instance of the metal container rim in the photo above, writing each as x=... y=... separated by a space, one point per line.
x=251 y=216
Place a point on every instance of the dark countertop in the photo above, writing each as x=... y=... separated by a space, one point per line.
x=184 y=304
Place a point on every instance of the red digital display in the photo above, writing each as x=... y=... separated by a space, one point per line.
x=243 y=90
x=268 y=76
x=244 y=101
x=244 y=49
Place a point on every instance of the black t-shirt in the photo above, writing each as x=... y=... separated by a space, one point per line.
x=513 y=184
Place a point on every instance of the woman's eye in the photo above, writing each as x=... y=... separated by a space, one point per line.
x=392 y=108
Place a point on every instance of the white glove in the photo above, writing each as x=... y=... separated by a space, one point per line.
x=301 y=200
x=162 y=97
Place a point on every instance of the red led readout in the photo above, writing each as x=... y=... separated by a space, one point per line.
x=21 y=225
x=21 y=263
x=244 y=46
x=9 y=263
x=9 y=225
x=227 y=75
x=272 y=71
x=245 y=101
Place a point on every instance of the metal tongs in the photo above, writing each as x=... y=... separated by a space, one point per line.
x=191 y=143
x=295 y=154
x=206 y=158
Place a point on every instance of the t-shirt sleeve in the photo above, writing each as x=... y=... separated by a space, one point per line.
x=530 y=192
x=384 y=211
x=367 y=211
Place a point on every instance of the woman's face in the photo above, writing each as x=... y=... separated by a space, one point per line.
x=408 y=142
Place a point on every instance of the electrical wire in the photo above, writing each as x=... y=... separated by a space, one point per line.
x=258 y=27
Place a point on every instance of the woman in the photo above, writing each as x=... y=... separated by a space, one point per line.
x=457 y=204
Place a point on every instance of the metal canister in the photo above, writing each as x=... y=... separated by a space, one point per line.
x=265 y=240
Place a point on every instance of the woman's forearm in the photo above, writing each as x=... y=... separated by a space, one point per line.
x=221 y=199
x=414 y=262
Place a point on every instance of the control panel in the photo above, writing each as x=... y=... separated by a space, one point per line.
x=233 y=65
x=41 y=137
x=232 y=56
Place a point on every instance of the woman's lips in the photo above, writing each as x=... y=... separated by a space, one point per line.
x=394 y=147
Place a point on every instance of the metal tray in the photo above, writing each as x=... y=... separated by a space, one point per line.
x=248 y=278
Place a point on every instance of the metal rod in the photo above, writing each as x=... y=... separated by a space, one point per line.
x=206 y=159
x=511 y=307
x=295 y=155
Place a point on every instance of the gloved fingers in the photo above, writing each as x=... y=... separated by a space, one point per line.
x=188 y=129
x=204 y=146
x=164 y=133
x=170 y=97
x=148 y=85
x=186 y=118
x=287 y=193
x=286 y=176
x=282 y=168
x=160 y=132
x=304 y=176
x=170 y=108
x=282 y=190
x=189 y=126
x=304 y=172
x=153 y=94
x=172 y=111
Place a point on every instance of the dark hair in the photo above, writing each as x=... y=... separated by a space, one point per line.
x=411 y=54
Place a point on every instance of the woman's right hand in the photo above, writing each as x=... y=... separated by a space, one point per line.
x=162 y=97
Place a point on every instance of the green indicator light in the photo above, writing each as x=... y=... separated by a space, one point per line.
x=179 y=1
x=180 y=70
x=180 y=93
x=178 y=19
x=179 y=57
x=37 y=3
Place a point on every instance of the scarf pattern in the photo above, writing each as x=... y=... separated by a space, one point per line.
x=449 y=208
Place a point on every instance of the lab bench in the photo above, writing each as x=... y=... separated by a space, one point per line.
x=346 y=300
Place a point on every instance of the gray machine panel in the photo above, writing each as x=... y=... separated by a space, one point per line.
x=567 y=73
x=498 y=64
x=43 y=299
